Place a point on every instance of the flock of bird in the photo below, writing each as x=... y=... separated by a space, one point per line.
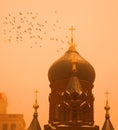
x=25 y=26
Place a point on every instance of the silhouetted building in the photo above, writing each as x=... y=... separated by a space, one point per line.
x=71 y=102
x=9 y=121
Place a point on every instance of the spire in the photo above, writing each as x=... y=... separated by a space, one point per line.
x=72 y=47
x=36 y=106
x=107 y=124
x=72 y=44
x=107 y=107
x=34 y=125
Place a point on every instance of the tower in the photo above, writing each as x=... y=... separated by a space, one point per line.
x=35 y=123
x=71 y=102
x=107 y=124
x=3 y=103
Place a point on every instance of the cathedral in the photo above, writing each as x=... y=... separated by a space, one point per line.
x=71 y=101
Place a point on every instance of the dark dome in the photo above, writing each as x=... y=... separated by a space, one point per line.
x=62 y=68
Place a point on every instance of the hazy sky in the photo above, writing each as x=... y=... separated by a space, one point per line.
x=26 y=52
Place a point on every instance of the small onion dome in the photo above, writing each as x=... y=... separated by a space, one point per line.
x=62 y=68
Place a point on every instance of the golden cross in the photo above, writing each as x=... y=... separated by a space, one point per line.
x=36 y=92
x=107 y=93
x=72 y=29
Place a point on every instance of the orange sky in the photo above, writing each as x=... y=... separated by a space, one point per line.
x=24 y=64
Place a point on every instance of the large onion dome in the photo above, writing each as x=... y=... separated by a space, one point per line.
x=62 y=68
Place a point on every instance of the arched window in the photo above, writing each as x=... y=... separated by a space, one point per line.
x=63 y=111
x=13 y=126
x=5 y=127
x=74 y=112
